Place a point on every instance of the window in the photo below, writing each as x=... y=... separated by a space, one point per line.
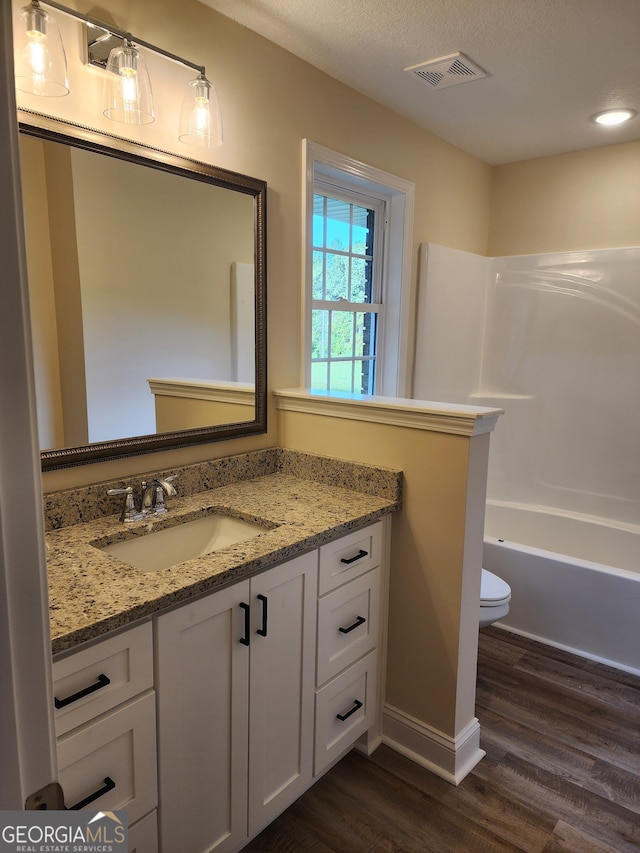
x=357 y=270
x=346 y=290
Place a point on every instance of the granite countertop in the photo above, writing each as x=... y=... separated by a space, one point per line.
x=92 y=593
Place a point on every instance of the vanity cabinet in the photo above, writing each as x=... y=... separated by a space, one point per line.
x=348 y=650
x=106 y=728
x=235 y=684
x=256 y=689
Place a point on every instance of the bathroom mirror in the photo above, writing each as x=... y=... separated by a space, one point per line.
x=147 y=288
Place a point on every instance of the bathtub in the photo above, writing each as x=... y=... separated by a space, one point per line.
x=575 y=580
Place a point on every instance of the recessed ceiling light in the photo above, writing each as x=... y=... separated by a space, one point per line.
x=613 y=117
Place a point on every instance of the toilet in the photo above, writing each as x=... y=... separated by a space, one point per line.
x=495 y=595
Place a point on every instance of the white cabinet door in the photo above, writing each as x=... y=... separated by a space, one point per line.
x=235 y=675
x=202 y=677
x=283 y=603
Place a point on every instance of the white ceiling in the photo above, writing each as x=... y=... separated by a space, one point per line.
x=551 y=64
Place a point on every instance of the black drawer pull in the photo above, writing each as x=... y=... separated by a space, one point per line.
x=247 y=626
x=357 y=704
x=109 y=785
x=263 y=631
x=359 y=621
x=358 y=556
x=100 y=683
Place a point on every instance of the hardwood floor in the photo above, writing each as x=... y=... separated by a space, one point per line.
x=561 y=774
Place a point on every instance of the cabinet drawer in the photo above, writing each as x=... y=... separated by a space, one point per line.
x=345 y=709
x=96 y=679
x=349 y=557
x=114 y=757
x=143 y=836
x=348 y=621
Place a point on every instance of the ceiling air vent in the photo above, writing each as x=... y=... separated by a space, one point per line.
x=447 y=71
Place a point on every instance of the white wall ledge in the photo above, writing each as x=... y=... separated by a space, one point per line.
x=217 y=391
x=398 y=411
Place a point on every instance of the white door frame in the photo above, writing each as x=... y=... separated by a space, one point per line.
x=27 y=739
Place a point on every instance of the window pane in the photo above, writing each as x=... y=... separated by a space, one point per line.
x=365 y=377
x=343 y=341
x=342 y=337
x=318 y=275
x=338 y=224
x=360 y=280
x=318 y=221
x=319 y=378
x=337 y=276
x=366 y=335
x=320 y=334
x=340 y=376
x=362 y=232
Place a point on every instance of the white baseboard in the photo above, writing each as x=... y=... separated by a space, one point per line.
x=367 y=743
x=450 y=758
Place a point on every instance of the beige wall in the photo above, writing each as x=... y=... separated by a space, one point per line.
x=54 y=293
x=270 y=101
x=176 y=413
x=428 y=648
x=582 y=200
x=41 y=299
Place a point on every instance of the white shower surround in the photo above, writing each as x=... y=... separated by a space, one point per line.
x=554 y=340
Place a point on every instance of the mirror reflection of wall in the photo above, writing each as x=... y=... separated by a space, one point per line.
x=131 y=273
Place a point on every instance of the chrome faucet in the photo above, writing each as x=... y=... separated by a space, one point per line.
x=151 y=501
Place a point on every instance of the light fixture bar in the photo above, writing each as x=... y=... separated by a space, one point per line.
x=116 y=31
x=128 y=97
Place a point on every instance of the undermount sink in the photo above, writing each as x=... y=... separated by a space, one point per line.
x=172 y=545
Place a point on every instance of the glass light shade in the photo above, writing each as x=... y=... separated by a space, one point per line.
x=40 y=60
x=128 y=97
x=200 y=119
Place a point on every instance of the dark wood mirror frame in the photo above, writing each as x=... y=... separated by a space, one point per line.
x=91 y=140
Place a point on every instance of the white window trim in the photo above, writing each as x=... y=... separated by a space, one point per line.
x=394 y=375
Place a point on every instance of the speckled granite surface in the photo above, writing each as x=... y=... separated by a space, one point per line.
x=74 y=506
x=92 y=593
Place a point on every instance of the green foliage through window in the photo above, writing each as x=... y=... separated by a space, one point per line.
x=343 y=347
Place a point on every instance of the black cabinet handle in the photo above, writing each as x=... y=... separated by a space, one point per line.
x=263 y=631
x=109 y=785
x=247 y=626
x=359 y=621
x=100 y=683
x=356 y=705
x=358 y=556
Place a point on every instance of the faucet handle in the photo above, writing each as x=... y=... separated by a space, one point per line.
x=160 y=508
x=163 y=486
x=129 y=511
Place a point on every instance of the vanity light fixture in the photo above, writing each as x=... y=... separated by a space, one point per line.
x=40 y=60
x=128 y=97
x=610 y=118
x=200 y=116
